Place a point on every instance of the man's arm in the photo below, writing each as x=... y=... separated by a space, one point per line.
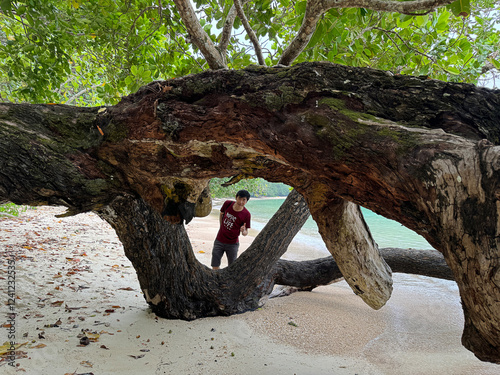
x=220 y=217
x=243 y=229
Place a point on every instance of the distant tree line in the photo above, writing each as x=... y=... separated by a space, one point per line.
x=257 y=187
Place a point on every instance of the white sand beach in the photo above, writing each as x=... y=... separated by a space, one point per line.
x=72 y=276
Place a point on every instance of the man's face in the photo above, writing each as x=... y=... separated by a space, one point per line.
x=241 y=201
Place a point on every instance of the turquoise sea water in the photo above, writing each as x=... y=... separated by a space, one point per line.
x=387 y=233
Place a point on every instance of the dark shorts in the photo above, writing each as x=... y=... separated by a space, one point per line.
x=220 y=248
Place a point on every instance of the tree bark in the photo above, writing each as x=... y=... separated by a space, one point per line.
x=422 y=152
x=175 y=284
x=349 y=240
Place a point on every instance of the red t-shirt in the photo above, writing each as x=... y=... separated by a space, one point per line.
x=232 y=221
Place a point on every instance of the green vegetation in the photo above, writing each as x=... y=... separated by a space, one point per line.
x=257 y=187
x=11 y=209
x=94 y=52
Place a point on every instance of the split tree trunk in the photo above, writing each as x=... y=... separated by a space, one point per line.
x=421 y=152
x=175 y=284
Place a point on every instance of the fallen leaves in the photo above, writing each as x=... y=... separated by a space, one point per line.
x=57 y=275
x=54 y=325
x=87 y=364
x=93 y=337
x=86 y=337
x=137 y=356
x=7 y=347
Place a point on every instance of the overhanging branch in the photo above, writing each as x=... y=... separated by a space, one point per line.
x=198 y=35
x=316 y=8
x=250 y=32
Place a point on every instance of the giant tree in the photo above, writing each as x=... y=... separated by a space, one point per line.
x=420 y=151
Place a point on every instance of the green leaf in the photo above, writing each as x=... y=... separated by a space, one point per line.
x=404 y=21
x=28 y=47
x=496 y=63
x=6 y=5
x=442 y=22
x=465 y=45
x=420 y=20
x=460 y=8
x=318 y=35
x=300 y=7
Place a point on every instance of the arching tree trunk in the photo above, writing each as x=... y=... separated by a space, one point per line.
x=421 y=152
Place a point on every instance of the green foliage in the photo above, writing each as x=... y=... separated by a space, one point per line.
x=87 y=52
x=438 y=45
x=257 y=187
x=460 y=8
x=94 y=52
x=12 y=209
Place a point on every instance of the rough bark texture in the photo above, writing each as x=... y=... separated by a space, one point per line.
x=175 y=284
x=421 y=152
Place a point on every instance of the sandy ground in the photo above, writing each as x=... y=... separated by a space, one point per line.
x=72 y=278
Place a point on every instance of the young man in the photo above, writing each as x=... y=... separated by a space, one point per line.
x=234 y=219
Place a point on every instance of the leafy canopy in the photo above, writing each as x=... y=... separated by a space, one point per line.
x=95 y=51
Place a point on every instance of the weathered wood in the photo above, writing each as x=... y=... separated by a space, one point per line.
x=349 y=240
x=175 y=284
x=41 y=157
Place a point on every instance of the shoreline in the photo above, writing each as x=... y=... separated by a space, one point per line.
x=73 y=270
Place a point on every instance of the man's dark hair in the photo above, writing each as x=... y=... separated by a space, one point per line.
x=243 y=194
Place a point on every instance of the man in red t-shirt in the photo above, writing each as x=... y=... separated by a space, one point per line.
x=234 y=219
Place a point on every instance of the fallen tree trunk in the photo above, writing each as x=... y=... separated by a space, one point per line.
x=307 y=275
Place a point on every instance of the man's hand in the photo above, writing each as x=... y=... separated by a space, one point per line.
x=243 y=229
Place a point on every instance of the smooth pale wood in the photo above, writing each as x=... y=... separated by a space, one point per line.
x=350 y=242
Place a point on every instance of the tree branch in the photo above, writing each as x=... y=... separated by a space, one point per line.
x=406 y=7
x=198 y=36
x=316 y=8
x=307 y=275
x=388 y=32
x=226 y=30
x=70 y=100
x=250 y=32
